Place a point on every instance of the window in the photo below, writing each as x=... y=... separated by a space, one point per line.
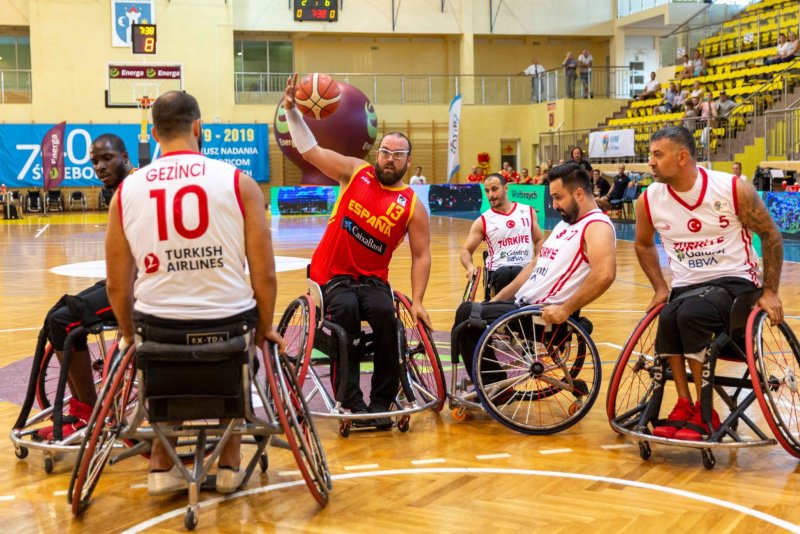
x=263 y=57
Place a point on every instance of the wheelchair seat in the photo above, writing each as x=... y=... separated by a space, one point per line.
x=740 y=312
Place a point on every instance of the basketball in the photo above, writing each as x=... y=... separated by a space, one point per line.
x=317 y=96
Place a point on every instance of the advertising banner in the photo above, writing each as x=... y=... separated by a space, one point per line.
x=612 y=144
x=53 y=156
x=144 y=72
x=452 y=136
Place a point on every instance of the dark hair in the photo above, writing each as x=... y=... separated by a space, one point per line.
x=497 y=175
x=737 y=163
x=782 y=35
x=173 y=114
x=401 y=135
x=690 y=105
x=538 y=167
x=114 y=140
x=573 y=150
x=572 y=176
x=418 y=167
x=678 y=135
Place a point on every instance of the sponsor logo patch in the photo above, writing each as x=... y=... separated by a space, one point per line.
x=209 y=337
x=694 y=225
x=364 y=238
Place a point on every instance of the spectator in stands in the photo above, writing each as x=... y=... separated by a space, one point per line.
x=548 y=166
x=585 y=60
x=418 y=179
x=474 y=177
x=600 y=185
x=513 y=176
x=525 y=178
x=535 y=71
x=697 y=92
x=621 y=182
x=707 y=110
x=690 y=111
x=561 y=162
x=570 y=65
x=682 y=96
x=667 y=103
x=541 y=177
x=699 y=64
x=793 y=51
x=687 y=69
x=723 y=105
x=783 y=46
x=737 y=171
x=577 y=157
x=651 y=88
x=504 y=170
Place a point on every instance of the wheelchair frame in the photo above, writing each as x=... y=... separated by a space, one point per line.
x=279 y=394
x=407 y=399
x=634 y=422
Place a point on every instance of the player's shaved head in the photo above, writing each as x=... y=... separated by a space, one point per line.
x=397 y=134
x=173 y=114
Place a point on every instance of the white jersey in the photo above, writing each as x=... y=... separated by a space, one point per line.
x=562 y=265
x=184 y=219
x=508 y=236
x=705 y=241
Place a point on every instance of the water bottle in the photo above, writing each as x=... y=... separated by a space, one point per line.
x=3 y=189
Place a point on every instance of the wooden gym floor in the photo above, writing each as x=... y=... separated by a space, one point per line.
x=442 y=476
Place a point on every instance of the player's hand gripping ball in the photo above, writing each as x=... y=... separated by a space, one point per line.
x=317 y=96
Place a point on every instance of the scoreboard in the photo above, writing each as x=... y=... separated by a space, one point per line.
x=143 y=38
x=319 y=10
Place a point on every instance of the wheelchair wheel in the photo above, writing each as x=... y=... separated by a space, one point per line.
x=49 y=370
x=297 y=326
x=536 y=382
x=102 y=431
x=471 y=291
x=773 y=356
x=631 y=383
x=424 y=365
x=298 y=426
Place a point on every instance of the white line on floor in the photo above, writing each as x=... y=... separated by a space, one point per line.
x=27 y=271
x=365 y=466
x=41 y=230
x=288 y=473
x=21 y=329
x=492 y=456
x=610 y=345
x=554 y=451
x=619 y=446
x=430 y=461
x=58 y=493
x=8 y=498
x=138 y=486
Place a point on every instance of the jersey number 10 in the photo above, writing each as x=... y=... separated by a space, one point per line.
x=177 y=212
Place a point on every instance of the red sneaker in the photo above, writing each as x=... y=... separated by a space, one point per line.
x=695 y=429
x=79 y=415
x=677 y=419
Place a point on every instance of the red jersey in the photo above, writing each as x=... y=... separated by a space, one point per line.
x=368 y=223
x=475 y=178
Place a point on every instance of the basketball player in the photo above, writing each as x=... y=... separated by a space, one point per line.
x=511 y=233
x=210 y=216
x=575 y=265
x=372 y=215
x=706 y=221
x=111 y=166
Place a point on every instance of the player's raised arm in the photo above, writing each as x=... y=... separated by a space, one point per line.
x=473 y=240
x=646 y=252
x=419 y=240
x=332 y=164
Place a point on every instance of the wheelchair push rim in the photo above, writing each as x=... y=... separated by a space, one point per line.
x=632 y=378
x=471 y=291
x=773 y=357
x=548 y=374
x=297 y=327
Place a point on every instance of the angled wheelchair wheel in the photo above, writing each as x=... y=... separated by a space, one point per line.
x=102 y=431
x=298 y=426
x=424 y=365
x=49 y=370
x=297 y=326
x=471 y=291
x=631 y=383
x=773 y=357
x=536 y=378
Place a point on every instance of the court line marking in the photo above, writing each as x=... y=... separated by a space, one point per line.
x=554 y=451
x=492 y=456
x=27 y=271
x=356 y=467
x=429 y=461
x=288 y=473
x=59 y=493
x=21 y=329
x=482 y=470
x=619 y=446
x=46 y=226
x=8 y=498
x=138 y=486
x=609 y=345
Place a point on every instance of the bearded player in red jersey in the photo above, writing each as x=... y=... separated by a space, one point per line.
x=372 y=215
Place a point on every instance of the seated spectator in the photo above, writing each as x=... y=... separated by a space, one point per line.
x=577 y=157
x=697 y=91
x=690 y=111
x=418 y=179
x=548 y=166
x=706 y=109
x=621 y=182
x=600 y=185
x=682 y=96
x=541 y=177
x=724 y=105
x=513 y=176
x=524 y=177
x=651 y=88
x=668 y=102
x=561 y=162
x=506 y=165
x=780 y=52
x=793 y=50
x=474 y=177
x=699 y=64
x=687 y=69
x=737 y=171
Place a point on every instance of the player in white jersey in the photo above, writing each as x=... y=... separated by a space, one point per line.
x=179 y=234
x=706 y=220
x=576 y=264
x=511 y=233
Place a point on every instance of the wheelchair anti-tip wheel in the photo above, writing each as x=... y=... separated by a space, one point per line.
x=297 y=327
x=533 y=377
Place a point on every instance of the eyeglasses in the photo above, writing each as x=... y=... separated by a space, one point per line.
x=396 y=154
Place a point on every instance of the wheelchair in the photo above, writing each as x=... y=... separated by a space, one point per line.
x=77 y=198
x=104 y=198
x=551 y=373
x=761 y=364
x=33 y=201
x=55 y=198
x=489 y=282
x=422 y=382
x=134 y=389
x=12 y=205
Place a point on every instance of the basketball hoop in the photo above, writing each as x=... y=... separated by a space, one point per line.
x=144 y=104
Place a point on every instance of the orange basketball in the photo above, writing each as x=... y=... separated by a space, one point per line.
x=317 y=96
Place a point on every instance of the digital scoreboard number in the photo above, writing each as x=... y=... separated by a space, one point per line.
x=319 y=10
x=143 y=38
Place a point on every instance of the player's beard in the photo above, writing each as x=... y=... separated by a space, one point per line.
x=390 y=176
x=570 y=214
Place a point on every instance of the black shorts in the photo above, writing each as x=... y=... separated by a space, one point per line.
x=63 y=319
x=500 y=278
x=688 y=325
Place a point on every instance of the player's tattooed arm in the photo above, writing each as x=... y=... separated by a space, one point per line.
x=473 y=240
x=754 y=214
x=647 y=254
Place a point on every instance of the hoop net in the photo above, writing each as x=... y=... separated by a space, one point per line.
x=144 y=104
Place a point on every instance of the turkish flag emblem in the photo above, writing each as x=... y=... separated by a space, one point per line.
x=151 y=263
x=694 y=225
x=510 y=224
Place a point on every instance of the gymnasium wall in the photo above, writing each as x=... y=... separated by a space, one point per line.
x=14 y=13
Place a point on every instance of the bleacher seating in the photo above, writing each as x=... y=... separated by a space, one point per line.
x=763 y=20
